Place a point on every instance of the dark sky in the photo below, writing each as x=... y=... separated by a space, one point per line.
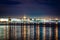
x=30 y=7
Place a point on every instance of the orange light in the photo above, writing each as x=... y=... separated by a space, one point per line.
x=24 y=17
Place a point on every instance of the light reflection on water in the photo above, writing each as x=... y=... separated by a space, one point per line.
x=28 y=32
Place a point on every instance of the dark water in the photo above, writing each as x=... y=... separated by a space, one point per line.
x=30 y=32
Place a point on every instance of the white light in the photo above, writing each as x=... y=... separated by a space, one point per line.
x=32 y=19
x=3 y=19
x=14 y=19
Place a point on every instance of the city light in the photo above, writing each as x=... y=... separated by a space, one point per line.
x=29 y=28
x=30 y=20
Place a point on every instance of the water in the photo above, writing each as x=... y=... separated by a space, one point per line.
x=30 y=32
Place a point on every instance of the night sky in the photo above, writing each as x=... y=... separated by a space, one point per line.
x=30 y=7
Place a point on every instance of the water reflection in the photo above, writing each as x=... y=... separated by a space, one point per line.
x=29 y=32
